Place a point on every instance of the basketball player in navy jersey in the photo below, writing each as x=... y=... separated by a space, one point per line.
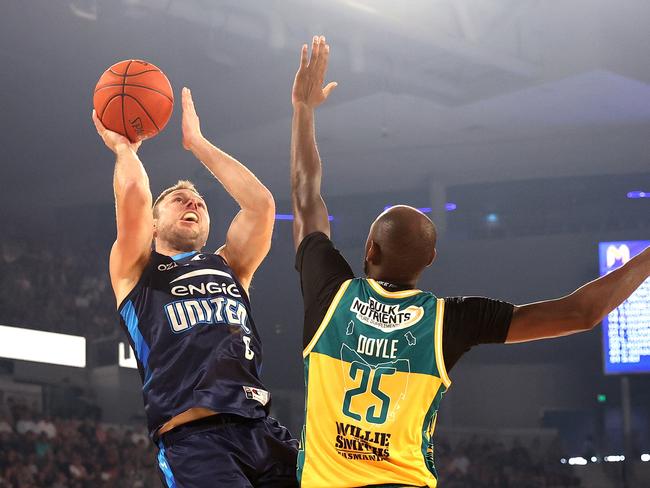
x=188 y=318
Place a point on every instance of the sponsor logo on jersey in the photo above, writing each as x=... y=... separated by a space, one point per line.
x=384 y=317
x=167 y=266
x=257 y=394
x=354 y=443
x=206 y=287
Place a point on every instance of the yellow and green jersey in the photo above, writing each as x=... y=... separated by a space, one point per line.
x=374 y=375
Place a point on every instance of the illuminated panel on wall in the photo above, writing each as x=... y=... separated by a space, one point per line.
x=626 y=330
x=42 y=347
x=126 y=356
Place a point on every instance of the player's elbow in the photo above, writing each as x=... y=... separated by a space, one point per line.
x=305 y=199
x=586 y=317
x=592 y=318
x=267 y=202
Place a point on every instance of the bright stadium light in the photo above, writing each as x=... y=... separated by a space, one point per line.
x=42 y=347
x=579 y=461
x=645 y=457
x=614 y=459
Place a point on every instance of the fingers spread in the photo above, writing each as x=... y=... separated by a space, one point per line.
x=188 y=103
x=328 y=89
x=315 y=48
x=303 y=56
x=323 y=60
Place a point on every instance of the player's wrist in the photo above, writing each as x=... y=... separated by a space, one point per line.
x=122 y=148
x=196 y=143
x=302 y=106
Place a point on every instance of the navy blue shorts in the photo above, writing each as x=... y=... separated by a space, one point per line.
x=230 y=451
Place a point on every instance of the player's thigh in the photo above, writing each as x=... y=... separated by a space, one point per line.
x=280 y=456
x=206 y=460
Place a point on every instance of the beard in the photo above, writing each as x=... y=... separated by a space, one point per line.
x=181 y=239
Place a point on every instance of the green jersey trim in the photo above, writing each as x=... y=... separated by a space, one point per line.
x=440 y=360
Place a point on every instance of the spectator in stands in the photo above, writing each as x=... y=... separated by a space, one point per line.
x=26 y=424
x=5 y=427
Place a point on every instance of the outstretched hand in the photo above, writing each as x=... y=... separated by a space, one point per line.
x=113 y=140
x=191 y=124
x=308 y=86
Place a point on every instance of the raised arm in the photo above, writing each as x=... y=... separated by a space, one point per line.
x=309 y=210
x=249 y=237
x=583 y=309
x=132 y=247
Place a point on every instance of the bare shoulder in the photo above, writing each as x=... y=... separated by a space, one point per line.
x=125 y=271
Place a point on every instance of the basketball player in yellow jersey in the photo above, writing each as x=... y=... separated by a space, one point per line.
x=378 y=350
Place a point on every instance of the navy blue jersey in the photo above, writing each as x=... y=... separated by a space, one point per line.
x=189 y=322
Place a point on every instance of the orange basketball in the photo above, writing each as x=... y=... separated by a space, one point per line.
x=134 y=98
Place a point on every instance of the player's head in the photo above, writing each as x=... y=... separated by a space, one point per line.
x=400 y=244
x=181 y=218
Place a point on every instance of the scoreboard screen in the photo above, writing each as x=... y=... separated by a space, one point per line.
x=626 y=330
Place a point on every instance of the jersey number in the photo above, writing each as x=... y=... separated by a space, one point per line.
x=249 y=353
x=367 y=374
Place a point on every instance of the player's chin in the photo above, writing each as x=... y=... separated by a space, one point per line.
x=187 y=239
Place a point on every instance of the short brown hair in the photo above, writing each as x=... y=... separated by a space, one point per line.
x=180 y=185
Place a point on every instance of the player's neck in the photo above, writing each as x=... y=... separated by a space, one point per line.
x=166 y=250
x=390 y=282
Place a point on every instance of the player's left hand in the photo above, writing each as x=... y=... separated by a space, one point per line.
x=191 y=124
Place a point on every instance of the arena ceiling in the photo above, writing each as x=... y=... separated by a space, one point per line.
x=453 y=91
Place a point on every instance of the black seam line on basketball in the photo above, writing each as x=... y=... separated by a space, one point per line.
x=144 y=109
x=137 y=86
x=106 y=105
x=126 y=133
x=134 y=74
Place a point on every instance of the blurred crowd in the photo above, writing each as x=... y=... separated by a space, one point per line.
x=50 y=289
x=483 y=462
x=37 y=451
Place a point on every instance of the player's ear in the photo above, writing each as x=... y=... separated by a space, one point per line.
x=433 y=257
x=373 y=255
x=155 y=228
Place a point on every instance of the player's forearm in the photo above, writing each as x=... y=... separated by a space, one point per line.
x=599 y=297
x=306 y=170
x=130 y=180
x=239 y=181
x=309 y=209
x=583 y=309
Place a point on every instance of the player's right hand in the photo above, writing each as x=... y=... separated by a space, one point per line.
x=114 y=141
x=308 y=85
